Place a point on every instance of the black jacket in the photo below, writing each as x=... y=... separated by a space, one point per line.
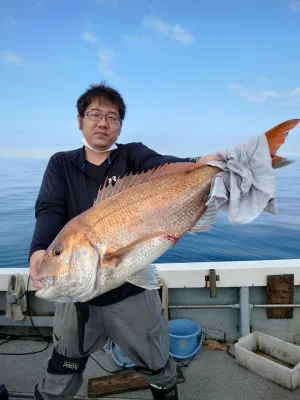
x=70 y=185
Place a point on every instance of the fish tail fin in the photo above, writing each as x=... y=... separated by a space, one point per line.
x=280 y=162
x=276 y=137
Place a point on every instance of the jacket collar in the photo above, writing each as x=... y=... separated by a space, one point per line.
x=79 y=157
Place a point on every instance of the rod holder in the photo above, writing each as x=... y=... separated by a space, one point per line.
x=212 y=278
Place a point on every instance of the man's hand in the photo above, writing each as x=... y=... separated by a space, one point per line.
x=208 y=158
x=34 y=262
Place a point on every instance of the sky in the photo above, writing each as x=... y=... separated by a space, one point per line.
x=196 y=75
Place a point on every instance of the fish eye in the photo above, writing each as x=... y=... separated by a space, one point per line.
x=57 y=251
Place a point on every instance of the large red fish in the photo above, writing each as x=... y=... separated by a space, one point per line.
x=130 y=225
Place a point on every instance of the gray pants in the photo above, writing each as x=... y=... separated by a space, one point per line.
x=136 y=324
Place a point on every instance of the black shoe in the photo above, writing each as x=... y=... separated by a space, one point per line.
x=3 y=392
x=164 y=394
x=37 y=394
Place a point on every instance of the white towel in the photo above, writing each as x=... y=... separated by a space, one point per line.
x=247 y=184
x=16 y=302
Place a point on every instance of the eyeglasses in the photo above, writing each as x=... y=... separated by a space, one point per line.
x=96 y=116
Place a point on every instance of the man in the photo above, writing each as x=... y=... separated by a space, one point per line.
x=131 y=316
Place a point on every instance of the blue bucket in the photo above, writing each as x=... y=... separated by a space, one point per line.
x=119 y=356
x=186 y=338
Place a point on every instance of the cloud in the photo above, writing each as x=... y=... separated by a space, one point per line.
x=235 y=86
x=295 y=92
x=156 y=25
x=139 y=40
x=180 y=35
x=295 y=5
x=173 y=32
x=259 y=96
x=89 y=37
x=105 y=55
x=105 y=59
x=293 y=98
x=91 y=26
x=11 y=58
x=254 y=96
x=263 y=78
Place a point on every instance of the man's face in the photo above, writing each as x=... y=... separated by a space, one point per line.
x=101 y=126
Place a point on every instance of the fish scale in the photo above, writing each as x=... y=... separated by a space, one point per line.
x=149 y=207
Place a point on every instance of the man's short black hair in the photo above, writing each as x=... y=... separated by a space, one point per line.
x=103 y=93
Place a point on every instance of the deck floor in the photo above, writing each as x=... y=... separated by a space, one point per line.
x=212 y=375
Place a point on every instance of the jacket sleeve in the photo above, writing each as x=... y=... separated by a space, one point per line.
x=50 y=208
x=142 y=158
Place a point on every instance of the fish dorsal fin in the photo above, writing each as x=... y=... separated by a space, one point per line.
x=131 y=180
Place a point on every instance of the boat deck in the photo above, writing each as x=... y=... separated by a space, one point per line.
x=211 y=375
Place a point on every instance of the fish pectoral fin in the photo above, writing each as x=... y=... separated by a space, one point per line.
x=108 y=263
x=107 y=258
x=147 y=278
x=206 y=220
x=173 y=237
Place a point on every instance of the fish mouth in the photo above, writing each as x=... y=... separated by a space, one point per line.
x=38 y=284
x=41 y=284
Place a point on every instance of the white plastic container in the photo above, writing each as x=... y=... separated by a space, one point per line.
x=246 y=347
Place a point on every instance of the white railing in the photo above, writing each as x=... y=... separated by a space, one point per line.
x=192 y=275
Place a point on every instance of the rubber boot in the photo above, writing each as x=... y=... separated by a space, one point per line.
x=164 y=394
x=3 y=392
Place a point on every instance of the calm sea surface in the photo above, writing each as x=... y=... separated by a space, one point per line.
x=269 y=237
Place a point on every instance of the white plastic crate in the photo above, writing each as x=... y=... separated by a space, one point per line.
x=246 y=347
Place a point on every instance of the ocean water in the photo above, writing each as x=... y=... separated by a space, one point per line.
x=269 y=237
